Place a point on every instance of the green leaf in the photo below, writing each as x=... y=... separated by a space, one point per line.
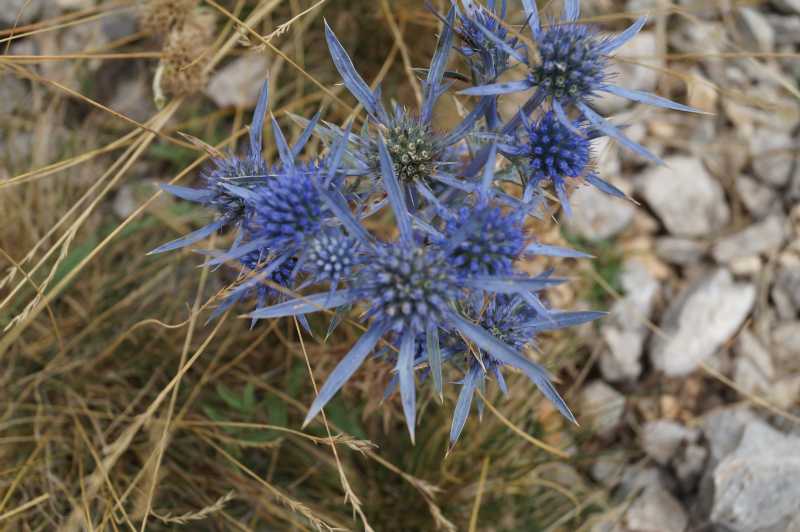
x=345 y=418
x=249 y=398
x=230 y=398
x=277 y=411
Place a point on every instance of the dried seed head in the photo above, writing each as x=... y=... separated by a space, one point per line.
x=186 y=54
x=160 y=16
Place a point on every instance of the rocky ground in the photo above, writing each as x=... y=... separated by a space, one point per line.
x=694 y=386
x=700 y=356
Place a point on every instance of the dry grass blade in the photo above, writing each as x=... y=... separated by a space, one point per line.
x=473 y=518
x=197 y=515
x=24 y=507
x=527 y=437
x=119 y=410
x=349 y=495
x=294 y=505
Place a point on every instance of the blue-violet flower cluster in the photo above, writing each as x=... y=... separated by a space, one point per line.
x=447 y=299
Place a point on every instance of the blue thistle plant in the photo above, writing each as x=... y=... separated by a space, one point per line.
x=423 y=158
x=413 y=291
x=288 y=209
x=550 y=151
x=488 y=241
x=247 y=172
x=514 y=323
x=572 y=68
x=447 y=295
x=486 y=43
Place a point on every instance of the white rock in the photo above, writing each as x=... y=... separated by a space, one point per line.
x=682 y=251
x=787 y=6
x=685 y=197
x=756 y=486
x=608 y=469
x=238 y=83
x=762 y=237
x=656 y=510
x=787 y=31
x=636 y=478
x=598 y=216
x=723 y=429
x=699 y=321
x=689 y=464
x=786 y=342
x=133 y=98
x=787 y=282
x=785 y=391
x=21 y=12
x=753 y=368
x=603 y=407
x=758 y=198
x=772 y=155
x=124 y=202
x=662 y=438
x=756 y=31
x=640 y=73
x=749 y=266
x=131 y=195
x=625 y=330
x=703 y=95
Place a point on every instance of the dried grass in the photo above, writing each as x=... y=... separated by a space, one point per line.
x=120 y=410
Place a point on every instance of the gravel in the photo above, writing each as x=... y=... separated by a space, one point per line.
x=685 y=197
x=238 y=83
x=625 y=330
x=703 y=317
x=598 y=216
x=760 y=238
x=755 y=487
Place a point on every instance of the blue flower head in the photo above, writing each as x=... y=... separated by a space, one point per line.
x=414 y=148
x=482 y=240
x=514 y=323
x=487 y=44
x=408 y=286
x=549 y=150
x=333 y=257
x=422 y=157
x=247 y=172
x=572 y=65
x=257 y=272
x=572 y=68
x=288 y=208
x=255 y=263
